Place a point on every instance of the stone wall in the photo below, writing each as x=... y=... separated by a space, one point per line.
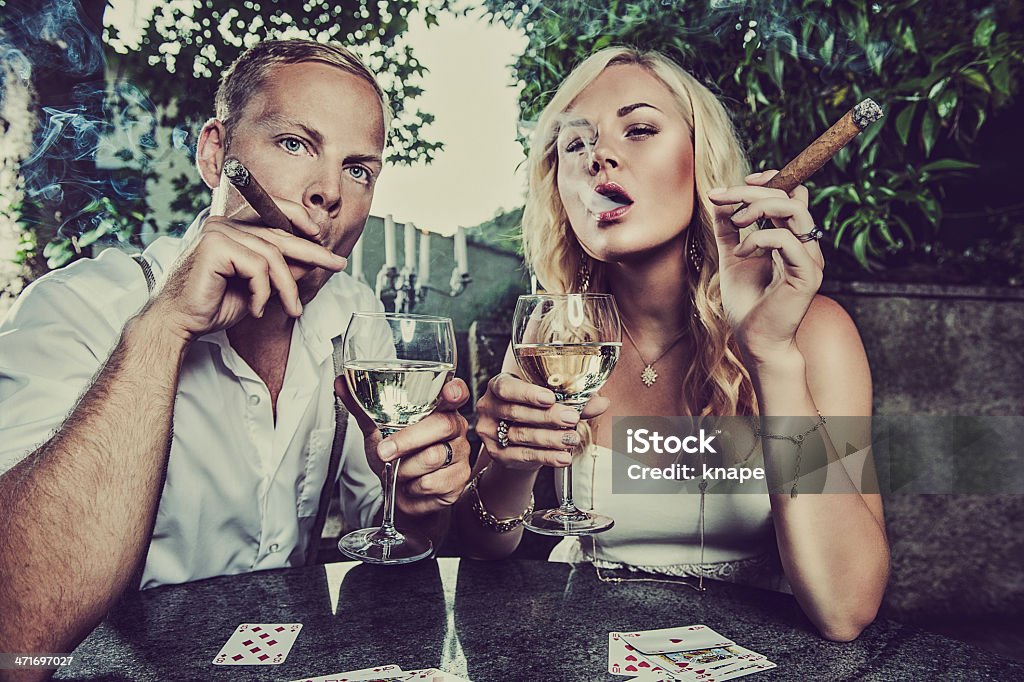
x=933 y=351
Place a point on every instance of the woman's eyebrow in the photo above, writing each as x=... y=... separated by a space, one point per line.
x=630 y=108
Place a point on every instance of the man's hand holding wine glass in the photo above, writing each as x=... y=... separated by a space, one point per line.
x=425 y=483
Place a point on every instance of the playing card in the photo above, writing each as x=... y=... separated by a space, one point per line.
x=258 y=644
x=748 y=669
x=362 y=675
x=623 y=659
x=431 y=675
x=684 y=638
x=696 y=663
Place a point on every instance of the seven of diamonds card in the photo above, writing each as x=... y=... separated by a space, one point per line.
x=258 y=644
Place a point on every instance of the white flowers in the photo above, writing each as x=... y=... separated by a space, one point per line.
x=18 y=122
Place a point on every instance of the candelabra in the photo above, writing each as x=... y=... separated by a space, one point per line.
x=401 y=290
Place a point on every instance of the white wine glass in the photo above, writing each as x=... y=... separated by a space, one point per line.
x=395 y=366
x=568 y=343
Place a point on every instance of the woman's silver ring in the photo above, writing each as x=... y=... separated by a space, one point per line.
x=815 y=234
x=502 y=433
x=449 y=453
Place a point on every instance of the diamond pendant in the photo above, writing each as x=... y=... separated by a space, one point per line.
x=648 y=376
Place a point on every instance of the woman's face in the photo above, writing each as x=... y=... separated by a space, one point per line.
x=625 y=165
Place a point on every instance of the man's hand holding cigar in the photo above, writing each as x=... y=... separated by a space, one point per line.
x=238 y=266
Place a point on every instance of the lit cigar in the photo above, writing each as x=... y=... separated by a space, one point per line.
x=253 y=192
x=825 y=147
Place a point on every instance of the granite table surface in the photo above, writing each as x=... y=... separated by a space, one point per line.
x=500 y=621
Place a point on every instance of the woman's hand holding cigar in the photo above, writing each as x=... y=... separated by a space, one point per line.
x=769 y=278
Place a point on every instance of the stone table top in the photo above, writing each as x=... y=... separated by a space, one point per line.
x=501 y=621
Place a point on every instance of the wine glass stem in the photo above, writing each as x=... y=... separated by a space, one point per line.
x=390 y=482
x=567 y=506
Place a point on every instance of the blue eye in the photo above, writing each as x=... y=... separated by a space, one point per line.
x=360 y=173
x=292 y=145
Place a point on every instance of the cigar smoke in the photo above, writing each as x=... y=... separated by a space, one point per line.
x=93 y=143
x=576 y=139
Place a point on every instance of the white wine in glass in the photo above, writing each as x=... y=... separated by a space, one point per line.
x=568 y=343
x=395 y=366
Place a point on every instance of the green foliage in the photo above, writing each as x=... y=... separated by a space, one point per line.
x=169 y=81
x=501 y=231
x=109 y=221
x=785 y=68
x=184 y=50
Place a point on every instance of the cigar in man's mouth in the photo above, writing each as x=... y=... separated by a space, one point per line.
x=828 y=144
x=253 y=192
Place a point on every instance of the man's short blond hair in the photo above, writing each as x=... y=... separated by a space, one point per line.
x=247 y=74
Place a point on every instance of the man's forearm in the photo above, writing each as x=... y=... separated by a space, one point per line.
x=76 y=515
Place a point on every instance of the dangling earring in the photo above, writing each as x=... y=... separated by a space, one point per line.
x=696 y=257
x=583 y=275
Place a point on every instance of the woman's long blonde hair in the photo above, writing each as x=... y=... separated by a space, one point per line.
x=716 y=382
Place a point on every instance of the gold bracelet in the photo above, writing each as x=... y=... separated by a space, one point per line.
x=489 y=520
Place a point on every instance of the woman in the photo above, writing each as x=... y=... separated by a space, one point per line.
x=715 y=325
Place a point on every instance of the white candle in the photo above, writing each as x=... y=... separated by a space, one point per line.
x=424 y=270
x=461 y=256
x=410 y=246
x=390 y=257
x=356 y=260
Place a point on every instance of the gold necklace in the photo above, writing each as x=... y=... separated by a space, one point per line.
x=650 y=375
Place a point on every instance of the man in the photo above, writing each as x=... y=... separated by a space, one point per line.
x=201 y=442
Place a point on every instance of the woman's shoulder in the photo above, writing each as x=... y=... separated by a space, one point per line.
x=827 y=324
x=837 y=365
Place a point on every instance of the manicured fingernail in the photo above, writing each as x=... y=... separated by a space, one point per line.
x=740 y=214
x=570 y=438
x=569 y=416
x=546 y=398
x=754 y=175
x=565 y=458
x=716 y=191
x=454 y=392
x=386 y=450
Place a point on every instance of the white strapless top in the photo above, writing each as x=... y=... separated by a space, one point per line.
x=660 y=533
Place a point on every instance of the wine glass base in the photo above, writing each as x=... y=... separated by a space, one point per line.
x=371 y=546
x=557 y=522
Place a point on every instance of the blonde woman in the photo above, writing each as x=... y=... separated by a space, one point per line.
x=634 y=174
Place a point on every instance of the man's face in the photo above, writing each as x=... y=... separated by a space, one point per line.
x=313 y=135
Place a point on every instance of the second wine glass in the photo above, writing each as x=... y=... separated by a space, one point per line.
x=395 y=367
x=568 y=343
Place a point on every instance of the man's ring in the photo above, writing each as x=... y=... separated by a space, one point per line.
x=815 y=234
x=449 y=455
x=502 y=433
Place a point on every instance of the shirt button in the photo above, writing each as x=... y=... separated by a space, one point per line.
x=254 y=400
x=274 y=547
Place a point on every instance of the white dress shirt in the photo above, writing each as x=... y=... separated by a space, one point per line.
x=242 y=491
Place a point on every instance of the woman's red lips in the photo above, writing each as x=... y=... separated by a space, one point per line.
x=615 y=192
x=613 y=214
